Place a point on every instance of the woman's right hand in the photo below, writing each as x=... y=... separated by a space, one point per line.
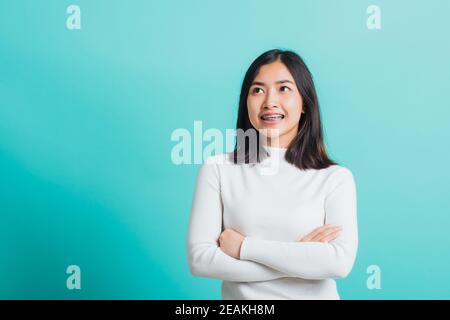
x=324 y=234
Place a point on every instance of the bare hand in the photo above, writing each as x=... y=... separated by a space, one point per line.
x=324 y=234
x=230 y=242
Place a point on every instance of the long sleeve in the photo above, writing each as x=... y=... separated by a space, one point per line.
x=205 y=257
x=316 y=260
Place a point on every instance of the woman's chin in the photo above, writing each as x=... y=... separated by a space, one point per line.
x=270 y=131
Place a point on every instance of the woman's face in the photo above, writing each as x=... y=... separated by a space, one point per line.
x=274 y=102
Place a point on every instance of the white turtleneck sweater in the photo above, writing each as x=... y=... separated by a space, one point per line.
x=274 y=204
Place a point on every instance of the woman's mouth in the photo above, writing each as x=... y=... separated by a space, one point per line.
x=271 y=119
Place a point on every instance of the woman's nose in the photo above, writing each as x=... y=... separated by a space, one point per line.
x=272 y=99
x=269 y=106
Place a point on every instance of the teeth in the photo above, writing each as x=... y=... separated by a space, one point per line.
x=272 y=117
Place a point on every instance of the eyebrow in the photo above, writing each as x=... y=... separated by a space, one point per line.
x=279 y=81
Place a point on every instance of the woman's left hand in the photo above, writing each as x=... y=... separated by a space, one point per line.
x=230 y=242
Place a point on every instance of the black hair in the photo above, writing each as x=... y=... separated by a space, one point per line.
x=307 y=149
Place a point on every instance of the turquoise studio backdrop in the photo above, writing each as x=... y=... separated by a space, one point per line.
x=88 y=107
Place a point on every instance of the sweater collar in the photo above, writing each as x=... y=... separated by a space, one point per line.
x=276 y=151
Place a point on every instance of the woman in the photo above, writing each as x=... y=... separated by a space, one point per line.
x=275 y=234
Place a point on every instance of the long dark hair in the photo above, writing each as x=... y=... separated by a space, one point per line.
x=307 y=149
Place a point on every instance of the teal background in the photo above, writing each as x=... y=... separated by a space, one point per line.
x=86 y=116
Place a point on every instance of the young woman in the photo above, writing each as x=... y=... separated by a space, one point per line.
x=283 y=235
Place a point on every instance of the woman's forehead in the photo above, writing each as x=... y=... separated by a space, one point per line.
x=273 y=72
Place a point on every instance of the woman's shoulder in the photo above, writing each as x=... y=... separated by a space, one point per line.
x=335 y=168
x=219 y=159
x=336 y=173
x=211 y=167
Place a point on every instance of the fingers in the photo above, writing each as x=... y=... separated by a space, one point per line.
x=328 y=235
x=229 y=234
x=313 y=233
x=331 y=236
x=324 y=233
x=228 y=231
x=316 y=232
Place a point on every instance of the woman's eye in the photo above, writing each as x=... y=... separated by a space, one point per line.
x=285 y=87
x=255 y=90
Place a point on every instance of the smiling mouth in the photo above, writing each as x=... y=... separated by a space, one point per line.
x=272 y=117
